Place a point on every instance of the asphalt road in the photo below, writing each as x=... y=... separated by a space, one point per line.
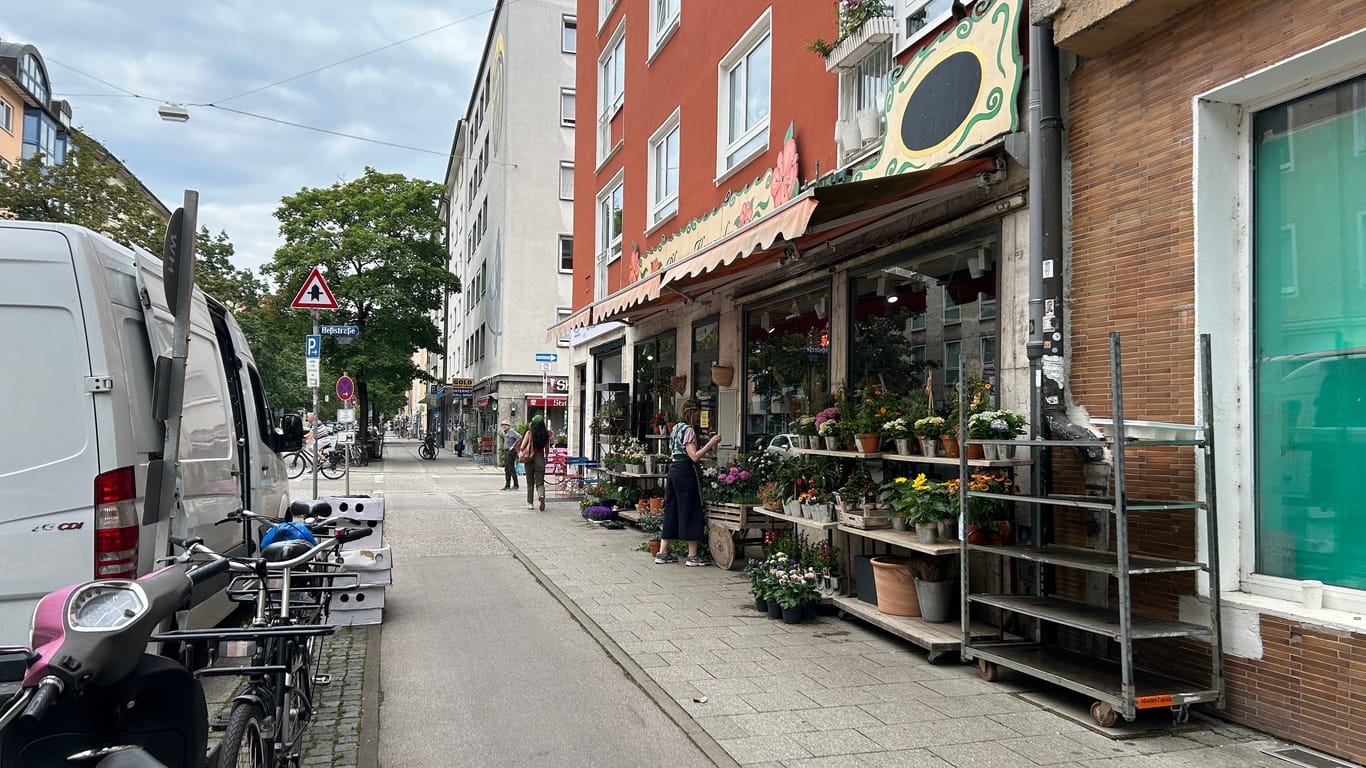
x=481 y=665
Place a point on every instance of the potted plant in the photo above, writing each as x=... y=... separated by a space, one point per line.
x=759 y=583
x=794 y=589
x=929 y=429
x=1004 y=424
x=989 y=519
x=827 y=427
x=920 y=502
x=651 y=524
x=805 y=428
x=901 y=431
x=868 y=417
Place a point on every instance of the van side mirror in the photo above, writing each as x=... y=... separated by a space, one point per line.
x=290 y=435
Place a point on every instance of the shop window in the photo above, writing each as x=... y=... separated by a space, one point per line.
x=1309 y=333
x=656 y=361
x=787 y=362
x=743 y=84
x=907 y=330
x=706 y=351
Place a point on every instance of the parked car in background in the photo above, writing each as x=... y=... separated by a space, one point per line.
x=783 y=444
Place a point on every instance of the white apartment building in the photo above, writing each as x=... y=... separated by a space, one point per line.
x=509 y=209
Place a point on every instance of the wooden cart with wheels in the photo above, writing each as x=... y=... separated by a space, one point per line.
x=730 y=528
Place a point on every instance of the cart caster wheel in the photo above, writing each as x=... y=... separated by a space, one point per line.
x=986 y=670
x=1181 y=714
x=722 y=547
x=843 y=615
x=1103 y=714
x=935 y=657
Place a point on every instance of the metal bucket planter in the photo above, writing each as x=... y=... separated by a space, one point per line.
x=936 y=599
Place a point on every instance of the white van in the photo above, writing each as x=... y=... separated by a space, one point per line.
x=76 y=380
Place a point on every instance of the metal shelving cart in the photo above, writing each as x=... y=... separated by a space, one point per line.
x=1119 y=689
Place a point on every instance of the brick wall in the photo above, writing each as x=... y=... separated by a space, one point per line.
x=1130 y=149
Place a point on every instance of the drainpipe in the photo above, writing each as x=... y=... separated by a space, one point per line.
x=1046 y=285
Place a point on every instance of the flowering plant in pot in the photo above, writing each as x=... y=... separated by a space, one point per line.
x=989 y=519
x=930 y=427
x=921 y=502
x=1003 y=424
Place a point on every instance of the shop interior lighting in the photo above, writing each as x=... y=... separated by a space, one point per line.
x=882 y=285
x=820 y=308
x=978 y=262
x=795 y=313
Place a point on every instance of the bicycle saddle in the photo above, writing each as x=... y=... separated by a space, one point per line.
x=280 y=551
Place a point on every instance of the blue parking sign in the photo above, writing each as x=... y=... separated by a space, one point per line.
x=313 y=345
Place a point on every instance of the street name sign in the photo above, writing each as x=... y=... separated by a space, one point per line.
x=339 y=330
x=315 y=294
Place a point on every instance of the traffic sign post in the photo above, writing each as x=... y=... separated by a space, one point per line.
x=313 y=346
x=547 y=357
x=313 y=296
x=345 y=388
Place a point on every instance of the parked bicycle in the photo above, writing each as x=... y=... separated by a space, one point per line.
x=291 y=585
x=332 y=463
x=428 y=449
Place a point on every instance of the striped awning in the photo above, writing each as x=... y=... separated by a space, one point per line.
x=788 y=222
x=580 y=319
x=620 y=303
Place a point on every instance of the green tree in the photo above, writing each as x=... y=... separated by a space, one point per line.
x=380 y=239
x=90 y=188
x=236 y=288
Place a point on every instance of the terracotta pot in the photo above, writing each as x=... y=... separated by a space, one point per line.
x=976 y=452
x=982 y=534
x=869 y=443
x=1006 y=531
x=656 y=503
x=654 y=547
x=895 y=587
x=723 y=375
x=950 y=446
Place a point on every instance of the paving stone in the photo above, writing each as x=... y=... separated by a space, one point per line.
x=779 y=701
x=838 y=742
x=1037 y=723
x=910 y=758
x=977 y=755
x=1055 y=748
x=770 y=723
x=754 y=749
x=827 y=761
x=837 y=718
x=894 y=713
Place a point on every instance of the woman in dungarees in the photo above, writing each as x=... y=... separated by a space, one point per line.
x=683 y=514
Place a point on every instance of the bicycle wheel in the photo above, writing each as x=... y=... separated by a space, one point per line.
x=332 y=467
x=298 y=710
x=246 y=743
x=295 y=464
x=427 y=452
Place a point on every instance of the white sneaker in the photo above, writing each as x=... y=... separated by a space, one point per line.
x=531 y=506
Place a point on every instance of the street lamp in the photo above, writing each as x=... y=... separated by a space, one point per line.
x=173 y=113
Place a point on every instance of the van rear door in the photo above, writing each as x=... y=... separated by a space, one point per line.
x=47 y=526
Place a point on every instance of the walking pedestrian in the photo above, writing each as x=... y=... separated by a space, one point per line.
x=535 y=446
x=510 y=439
x=683 y=514
x=460 y=435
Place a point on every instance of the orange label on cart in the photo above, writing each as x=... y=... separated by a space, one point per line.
x=1153 y=702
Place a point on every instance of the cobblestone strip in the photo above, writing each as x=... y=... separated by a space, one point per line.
x=333 y=740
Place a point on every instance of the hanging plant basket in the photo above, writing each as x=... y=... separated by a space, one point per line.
x=723 y=375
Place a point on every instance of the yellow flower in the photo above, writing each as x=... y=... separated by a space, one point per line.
x=901 y=480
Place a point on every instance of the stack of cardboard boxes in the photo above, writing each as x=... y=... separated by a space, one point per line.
x=368 y=558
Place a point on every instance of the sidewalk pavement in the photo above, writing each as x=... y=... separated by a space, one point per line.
x=752 y=691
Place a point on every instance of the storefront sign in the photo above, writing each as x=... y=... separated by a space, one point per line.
x=559 y=383
x=547 y=401
x=955 y=94
x=482 y=402
x=740 y=209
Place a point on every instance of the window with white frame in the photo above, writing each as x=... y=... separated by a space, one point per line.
x=743 y=88
x=6 y=116
x=566 y=253
x=918 y=18
x=605 y=11
x=609 y=226
x=863 y=88
x=986 y=307
x=566 y=106
x=569 y=34
x=953 y=314
x=1296 y=354
x=566 y=180
x=664 y=170
x=953 y=352
x=664 y=19
x=611 y=86
x=562 y=314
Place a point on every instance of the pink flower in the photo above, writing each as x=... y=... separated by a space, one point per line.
x=744 y=475
x=784 y=183
x=746 y=213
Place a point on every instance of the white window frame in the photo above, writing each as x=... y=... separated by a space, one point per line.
x=1222 y=192
x=7 y=116
x=562 y=314
x=949 y=312
x=760 y=30
x=906 y=8
x=559 y=254
x=613 y=58
x=605 y=8
x=951 y=371
x=662 y=28
x=565 y=165
x=565 y=22
x=568 y=121
x=603 y=242
x=665 y=207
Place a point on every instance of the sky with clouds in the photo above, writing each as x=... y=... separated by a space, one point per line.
x=410 y=94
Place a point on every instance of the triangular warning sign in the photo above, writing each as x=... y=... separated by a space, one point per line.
x=315 y=294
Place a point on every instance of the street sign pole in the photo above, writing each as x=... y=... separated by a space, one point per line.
x=316 y=415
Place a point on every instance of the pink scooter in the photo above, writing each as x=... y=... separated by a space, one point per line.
x=89 y=693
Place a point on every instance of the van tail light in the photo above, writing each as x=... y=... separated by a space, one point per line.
x=116 y=525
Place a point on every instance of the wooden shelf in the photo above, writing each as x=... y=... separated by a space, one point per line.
x=1089 y=618
x=804 y=522
x=838 y=454
x=954 y=461
x=904 y=539
x=637 y=475
x=1089 y=559
x=938 y=639
x=629 y=515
